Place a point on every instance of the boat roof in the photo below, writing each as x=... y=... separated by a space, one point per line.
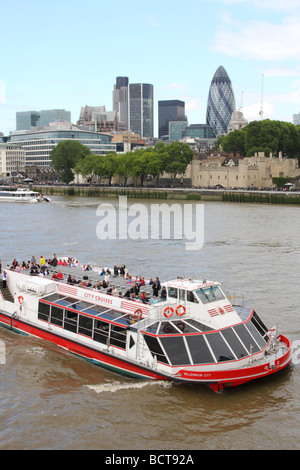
x=190 y=283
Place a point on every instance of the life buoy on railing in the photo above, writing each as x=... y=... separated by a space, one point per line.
x=20 y=299
x=137 y=314
x=168 y=312
x=182 y=312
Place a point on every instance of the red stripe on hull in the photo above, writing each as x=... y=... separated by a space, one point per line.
x=106 y=360
x=217 y=380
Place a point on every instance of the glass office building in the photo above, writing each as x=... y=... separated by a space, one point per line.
x=140 y=114
x=38 y=145
x=177 y=130
x=221 y=102
x=169 y=110
x=25 y=120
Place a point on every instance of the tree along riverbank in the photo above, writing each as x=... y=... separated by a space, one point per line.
x=188 y=194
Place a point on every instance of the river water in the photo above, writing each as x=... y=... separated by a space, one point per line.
x=50 y=399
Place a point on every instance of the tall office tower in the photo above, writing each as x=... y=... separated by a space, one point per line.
x=169 y=110
x=140 y=114
x=27 y=119
x=120 y=99
x=221 y=102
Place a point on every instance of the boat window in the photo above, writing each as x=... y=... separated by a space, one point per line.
x=210 y=294
x=176 y=350
x=155 y=349
x=258 y=338
x=172 y=292
x=57 y=315
x=199 y=326
x=152 y=328
x=259 y=324
x=191 y=298
x=101 y=331
x=235 y=343
x=43 y=312
x=53 y=297
x=199 y=350
x=246 y=338
x=182 y=294
x=118 y=336
x=85 y=326
x=166 y=328
x=219 y=347
x=70 y=321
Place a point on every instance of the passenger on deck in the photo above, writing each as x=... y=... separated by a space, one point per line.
x=102 y=272
x=116 y=270
x=122 y=270
x=69 y=280
x=155 y=288
x=151 y=282
x=127 y=294
x=60 y=275
x=163 y=294
x=54 y=276
x=154 y=300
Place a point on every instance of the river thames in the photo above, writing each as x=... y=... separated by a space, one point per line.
x=50 y=399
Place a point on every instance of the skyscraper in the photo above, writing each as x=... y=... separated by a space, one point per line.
x=140 y=113
x=169 y=110
x=120 y=99
x=221 y=102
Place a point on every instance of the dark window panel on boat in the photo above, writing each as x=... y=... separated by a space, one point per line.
x=199 y=326
x=155 y=349
x=118 y=337
x=101 y=331
x=220 y=349
x=246 y=339
x=152 y=328
x=258 y=338
x=199 y=350
x=176 y=350
x=53 y=297
x=57 y=315
x=166 y=328
x=70 y=321
x=172 y=292
x=235 y=343
x=85 y=326
x=259 y=324
x=44 y=310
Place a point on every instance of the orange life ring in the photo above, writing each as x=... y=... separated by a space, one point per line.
x=167 y=310
x=20 y=299
x=183 y=312
x=137 y=314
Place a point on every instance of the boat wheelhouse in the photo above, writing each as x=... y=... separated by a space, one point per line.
x=195 y=336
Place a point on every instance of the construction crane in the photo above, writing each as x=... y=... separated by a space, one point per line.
x=261 y=112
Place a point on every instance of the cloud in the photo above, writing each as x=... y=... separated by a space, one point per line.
x=260 y=40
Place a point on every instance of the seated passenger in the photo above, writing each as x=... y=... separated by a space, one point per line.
x=60 y=275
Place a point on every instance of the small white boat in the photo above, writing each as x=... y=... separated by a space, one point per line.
x=17 y=194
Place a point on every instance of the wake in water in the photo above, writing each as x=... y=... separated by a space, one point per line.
x=117 y=386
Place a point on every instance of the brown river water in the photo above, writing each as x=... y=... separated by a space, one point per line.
x=50 y=399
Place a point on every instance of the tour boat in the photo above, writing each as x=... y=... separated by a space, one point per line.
x=16 y=194
x=195 y=336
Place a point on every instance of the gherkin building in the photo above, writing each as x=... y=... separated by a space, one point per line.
x=220 y=103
